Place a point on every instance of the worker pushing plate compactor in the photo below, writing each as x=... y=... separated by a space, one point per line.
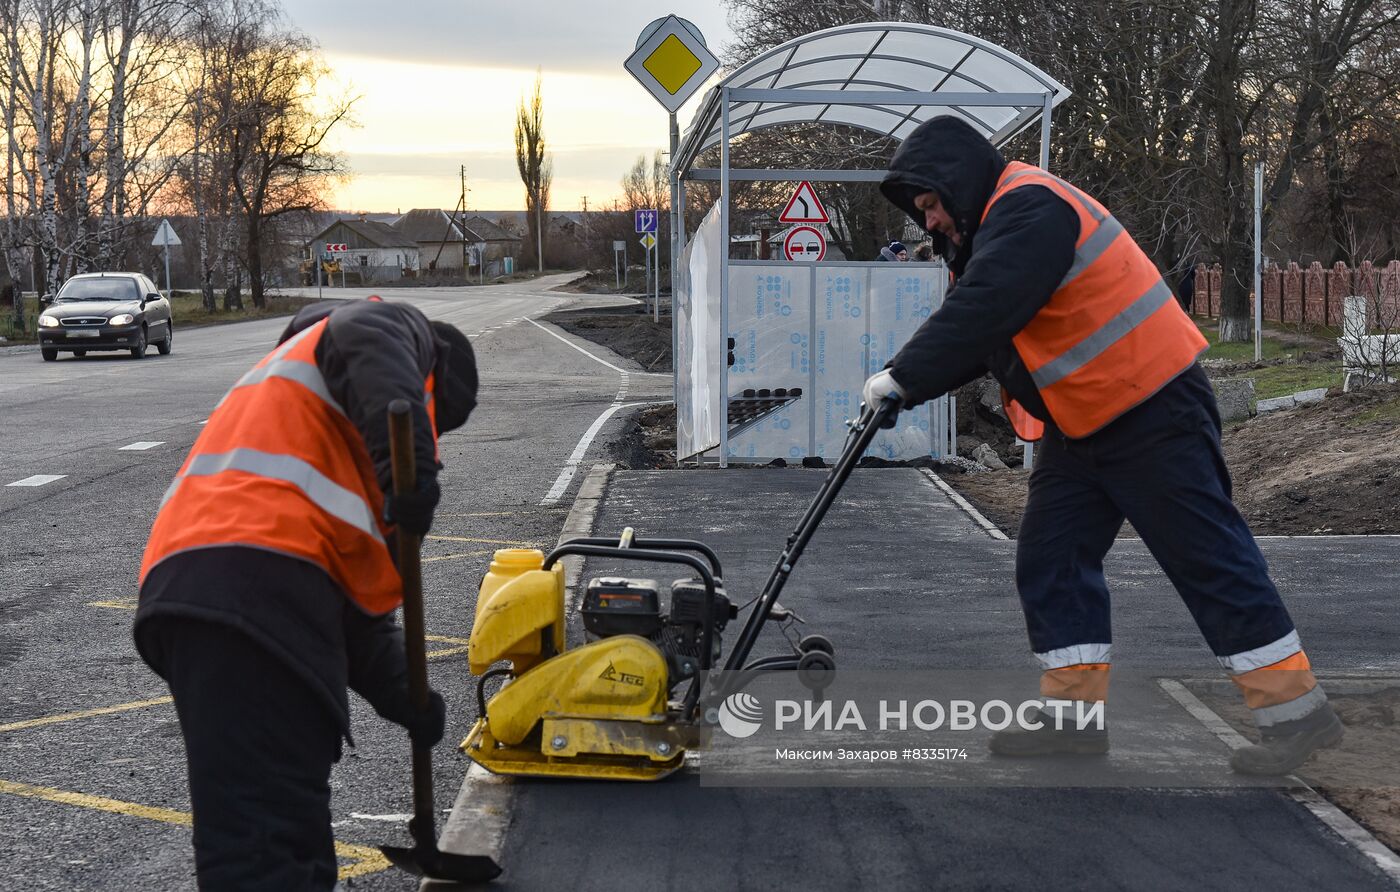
x=614 y=708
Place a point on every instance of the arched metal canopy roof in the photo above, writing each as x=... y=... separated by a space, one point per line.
x=869 y=65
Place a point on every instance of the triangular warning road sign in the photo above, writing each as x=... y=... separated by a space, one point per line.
x=804 y=206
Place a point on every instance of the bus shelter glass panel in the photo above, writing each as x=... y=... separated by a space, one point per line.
x=770 y=319
x=806 y=338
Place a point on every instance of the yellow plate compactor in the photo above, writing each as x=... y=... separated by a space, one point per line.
x=614 y=708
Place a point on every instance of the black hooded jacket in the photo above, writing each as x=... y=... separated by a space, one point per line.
x=1006 y=268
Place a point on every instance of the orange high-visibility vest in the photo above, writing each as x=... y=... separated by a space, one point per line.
x=1110 y=336
x=279 y=467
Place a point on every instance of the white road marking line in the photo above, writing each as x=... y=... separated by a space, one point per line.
x=565 y=340
x=37 y=480
x=992 y=529
x=141 y=445
x=1335 y=536
x=1352 y=833
x=566 y=476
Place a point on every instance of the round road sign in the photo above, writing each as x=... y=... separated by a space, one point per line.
x=804 y=243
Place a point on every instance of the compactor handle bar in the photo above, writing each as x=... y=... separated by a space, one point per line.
x=862 y=433
x=658 y=545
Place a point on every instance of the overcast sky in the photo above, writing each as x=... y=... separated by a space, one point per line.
x=439 y=81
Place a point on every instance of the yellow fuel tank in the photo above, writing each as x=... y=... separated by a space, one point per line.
x=519 y=612
x=618 y=678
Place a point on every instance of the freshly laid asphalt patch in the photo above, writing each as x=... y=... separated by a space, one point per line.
x=898 y=577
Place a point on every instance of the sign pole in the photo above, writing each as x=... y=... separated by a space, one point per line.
x=167 y=270
x=316 y=261
x=646 y=273
x=675 y=134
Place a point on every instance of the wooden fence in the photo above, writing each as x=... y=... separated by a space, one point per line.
x=1312 y=295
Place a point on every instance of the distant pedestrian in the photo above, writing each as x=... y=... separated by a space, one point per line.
x=924 y=253
x=894 y=252
x=1186 y=288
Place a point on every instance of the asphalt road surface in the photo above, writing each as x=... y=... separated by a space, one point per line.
x=914 y=595
x=92 y=781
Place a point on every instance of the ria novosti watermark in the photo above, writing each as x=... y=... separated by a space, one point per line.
x=932 y=728
x=741 y=715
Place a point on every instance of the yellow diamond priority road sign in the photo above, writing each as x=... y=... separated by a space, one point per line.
x=671 y=61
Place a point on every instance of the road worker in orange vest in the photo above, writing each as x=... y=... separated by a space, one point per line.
x=1097 y=364
x=268 y=585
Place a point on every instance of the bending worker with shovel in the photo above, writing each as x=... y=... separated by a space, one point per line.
x=1057 y=301
x=268 y=585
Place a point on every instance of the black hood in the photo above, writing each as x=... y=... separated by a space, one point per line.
x=945 y=155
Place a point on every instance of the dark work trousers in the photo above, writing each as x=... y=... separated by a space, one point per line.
x=260 y=744
x=1160 y=465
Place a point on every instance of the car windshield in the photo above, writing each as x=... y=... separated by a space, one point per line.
x=100 y=288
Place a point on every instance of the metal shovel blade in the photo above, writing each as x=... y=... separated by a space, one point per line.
x=436 y=864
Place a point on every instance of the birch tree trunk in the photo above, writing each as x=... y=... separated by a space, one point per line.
x=79 y=130
x=13 y=234
x=126 y=19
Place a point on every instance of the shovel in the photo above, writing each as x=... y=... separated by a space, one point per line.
x=425 y=859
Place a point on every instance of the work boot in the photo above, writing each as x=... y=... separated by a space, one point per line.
x=1285 y=746
x=1048 y=741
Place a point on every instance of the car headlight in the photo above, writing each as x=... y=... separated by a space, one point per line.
x=48 y=322
x=123 y=319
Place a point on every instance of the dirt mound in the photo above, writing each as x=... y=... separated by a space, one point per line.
x=627 y=331
x=1329 y=467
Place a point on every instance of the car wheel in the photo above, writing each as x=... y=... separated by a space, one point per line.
x=49 y=353
x=139 y=351
x=165 y=345
x=80 y=353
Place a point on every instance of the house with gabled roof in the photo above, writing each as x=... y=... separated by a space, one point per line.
x=442 y=245
x=374 y=251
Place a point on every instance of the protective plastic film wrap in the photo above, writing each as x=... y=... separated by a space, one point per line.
x=698 y=349
x=822 y=329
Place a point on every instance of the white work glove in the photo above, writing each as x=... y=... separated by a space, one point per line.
x=880 y=385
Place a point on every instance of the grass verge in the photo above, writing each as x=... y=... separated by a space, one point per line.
x=1281 y=380
x=186 y=306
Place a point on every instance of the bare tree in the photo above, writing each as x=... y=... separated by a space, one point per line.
x=1173 y=101
x=13 y=234
x=536 y=166
x=278 y=138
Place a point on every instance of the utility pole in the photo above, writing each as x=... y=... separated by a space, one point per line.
x=466 y=252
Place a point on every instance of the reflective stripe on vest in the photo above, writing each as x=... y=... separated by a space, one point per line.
x=324 y=492
x=280 y=467
x=1111 y=334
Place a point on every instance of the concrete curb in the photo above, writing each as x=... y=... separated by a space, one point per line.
x=1301 y=398
x=481 y=814
x=1336 y=820
x=956 y=498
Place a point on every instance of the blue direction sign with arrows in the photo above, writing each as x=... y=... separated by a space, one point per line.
x=645 y=220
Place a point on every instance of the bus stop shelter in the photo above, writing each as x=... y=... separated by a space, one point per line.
x=770 y=355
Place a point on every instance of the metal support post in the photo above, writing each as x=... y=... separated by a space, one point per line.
x=1047 y=106
x=724 y=278
x=1258 y=260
